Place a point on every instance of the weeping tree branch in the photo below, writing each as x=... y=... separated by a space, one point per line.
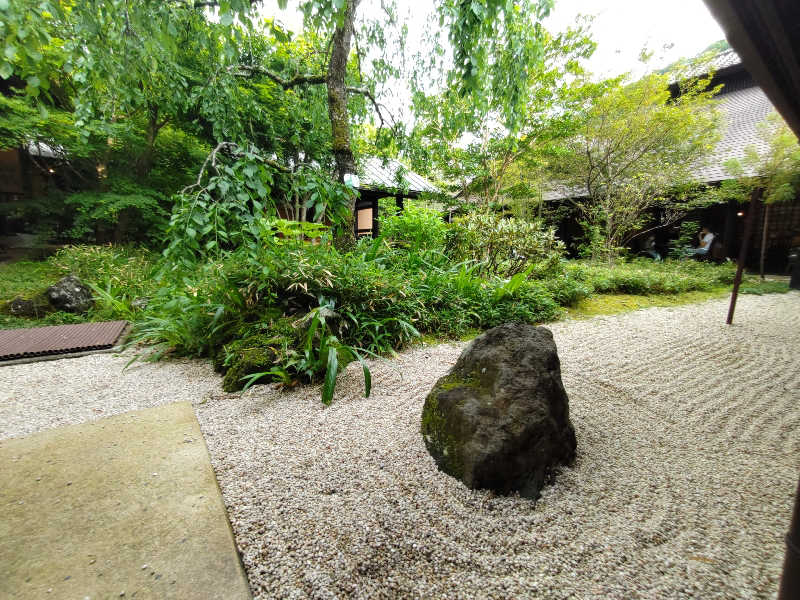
x=250 y=70
x=211 y=158
x=365 y=92
x=233 y=148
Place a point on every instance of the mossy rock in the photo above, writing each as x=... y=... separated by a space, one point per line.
x=274 y=334
x=35 y=307
x=246 y=362
x=500 y=419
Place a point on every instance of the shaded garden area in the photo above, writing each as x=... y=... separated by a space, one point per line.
x=284 y=309
x=222 y=165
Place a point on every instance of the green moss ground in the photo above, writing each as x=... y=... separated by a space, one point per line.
x=610 y=304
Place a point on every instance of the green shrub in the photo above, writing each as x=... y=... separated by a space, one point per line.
x=124 y=212
x=26 y=278
x=686 y=238
x=418 y=228
x=644 y=276
x=502 y=246
x=759 y=288
x=118 y=275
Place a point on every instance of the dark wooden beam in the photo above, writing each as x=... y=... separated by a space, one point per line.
x=375 y=224
x=755 y=202
x=766 y=35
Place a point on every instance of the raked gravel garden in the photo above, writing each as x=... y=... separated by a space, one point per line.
x=688 y=455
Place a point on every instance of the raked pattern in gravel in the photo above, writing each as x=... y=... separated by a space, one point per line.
x=688 y=456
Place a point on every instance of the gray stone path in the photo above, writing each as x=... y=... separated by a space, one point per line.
x=126 y=506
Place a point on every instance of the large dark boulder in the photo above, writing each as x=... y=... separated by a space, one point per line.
x=500 y=419
x=70 y=295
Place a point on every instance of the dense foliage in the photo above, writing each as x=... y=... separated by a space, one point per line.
x=288 y=309
x=281 y=306
x=639 y=144
x=213 y=134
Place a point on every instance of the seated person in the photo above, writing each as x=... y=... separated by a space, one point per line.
x=706 y=238
x=649 y=248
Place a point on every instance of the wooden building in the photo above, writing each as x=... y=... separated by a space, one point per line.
x=389 y=178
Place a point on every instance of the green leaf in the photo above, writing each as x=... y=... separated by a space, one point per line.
x=367 y=373
x=330 y=376
x=6 y=70
x=4 y=4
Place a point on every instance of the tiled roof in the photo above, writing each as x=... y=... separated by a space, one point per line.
x=742 y=111
x=723 y=60
x=560 y=191
x=726 y=59
x=380 y=174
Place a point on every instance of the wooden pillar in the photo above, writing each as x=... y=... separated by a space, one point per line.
x=755 y=198
x=375 y=231
x=730 y=227
x=355 y=214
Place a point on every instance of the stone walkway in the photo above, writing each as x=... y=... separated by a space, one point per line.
x=127 y=506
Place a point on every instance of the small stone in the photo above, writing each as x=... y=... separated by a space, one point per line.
x=70 y=295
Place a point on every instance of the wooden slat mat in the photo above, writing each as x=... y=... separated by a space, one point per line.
x=59 y=339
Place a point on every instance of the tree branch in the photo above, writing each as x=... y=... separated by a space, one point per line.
x=250 y=70
x=214 y=4
x=368 y=94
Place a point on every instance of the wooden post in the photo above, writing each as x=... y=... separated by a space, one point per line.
x=375 y=216
x=764 y=241
x=790 y=581
x=748 y=230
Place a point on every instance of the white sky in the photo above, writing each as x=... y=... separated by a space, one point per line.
x=621 y=28
x=670 y=29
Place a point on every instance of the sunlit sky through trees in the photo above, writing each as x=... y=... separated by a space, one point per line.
x=669 y=29
x=622 y=28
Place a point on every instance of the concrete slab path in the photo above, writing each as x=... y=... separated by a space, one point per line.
x=122 y=507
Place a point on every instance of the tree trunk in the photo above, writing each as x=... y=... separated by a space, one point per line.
x=609 y=232
x=764 y=241
x=337 y=92
x=145 y=161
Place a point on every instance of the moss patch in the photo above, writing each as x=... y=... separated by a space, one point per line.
x=254 y=353
x=443 y=436
x=247 y=361
x=609 y=304
x=441 y=439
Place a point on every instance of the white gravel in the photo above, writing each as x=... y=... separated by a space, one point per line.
x=688 y=455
